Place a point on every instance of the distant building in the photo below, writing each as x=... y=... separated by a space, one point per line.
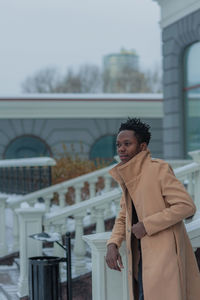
x=115 y=64
x=86 y=124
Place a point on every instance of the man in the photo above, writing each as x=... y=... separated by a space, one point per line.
x=162 y=265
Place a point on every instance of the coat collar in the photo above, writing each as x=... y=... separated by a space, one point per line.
x=123 y=173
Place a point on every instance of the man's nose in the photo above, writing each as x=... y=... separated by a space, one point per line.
x=121 y=149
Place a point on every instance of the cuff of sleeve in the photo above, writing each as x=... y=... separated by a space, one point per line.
x=147 y=227
x=113 y=241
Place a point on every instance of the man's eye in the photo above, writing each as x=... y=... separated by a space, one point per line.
x=127 y=144
x=117 y=145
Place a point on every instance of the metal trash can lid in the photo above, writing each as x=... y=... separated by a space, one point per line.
x=45 y=260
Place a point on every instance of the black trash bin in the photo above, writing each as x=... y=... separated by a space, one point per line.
x=44 y=279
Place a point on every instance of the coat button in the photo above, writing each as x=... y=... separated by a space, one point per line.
x=129 y=230
x=130 y=272
x=129 y=251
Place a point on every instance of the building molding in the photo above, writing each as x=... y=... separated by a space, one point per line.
x=172 y=11
x=81 y=106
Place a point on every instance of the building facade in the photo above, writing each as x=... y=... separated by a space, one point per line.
x=180 y=22
x=86 y=125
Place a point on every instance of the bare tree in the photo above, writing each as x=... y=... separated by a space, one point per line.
x=87 y=79
x=154 y=79
x=44 y=81
x=131 y=81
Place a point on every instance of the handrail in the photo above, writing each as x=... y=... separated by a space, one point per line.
x=27 y=162
x=179 y=172
x=184 y=170
x=83 y=206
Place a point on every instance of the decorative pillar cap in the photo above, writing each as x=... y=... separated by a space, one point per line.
x=195 y=155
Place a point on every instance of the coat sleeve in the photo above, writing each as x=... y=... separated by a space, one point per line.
x=119 y=229
x=179 y=205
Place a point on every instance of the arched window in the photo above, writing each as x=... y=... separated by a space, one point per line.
x=26 y=146
x=192 y=97
x=104 y=148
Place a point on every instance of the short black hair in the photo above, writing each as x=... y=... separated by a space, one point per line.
x=140 y=129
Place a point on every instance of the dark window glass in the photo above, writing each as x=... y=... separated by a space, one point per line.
x=26 y=146
x=192 y=97
x=104 y=148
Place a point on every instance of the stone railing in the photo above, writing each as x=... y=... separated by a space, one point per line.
x=46 y=195
x=69 y=218
x=31 y=220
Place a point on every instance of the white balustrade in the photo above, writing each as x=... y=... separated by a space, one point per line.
x=15 y=246
x=107 y=188
x=193 y=230
x=62 y=195
x=92 y=187
x=58 y=250
x=106 y=283
x=100 y=225
x=79 y=246
x=3 y=242
x=117 y=205
x=99 y=204
x=77 y=183
x=107 y=182
x=47 y=201
x=197 y=189
x=30 y=222
x=78 y=188
x=110 y=284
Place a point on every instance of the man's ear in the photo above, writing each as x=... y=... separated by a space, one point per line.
x=143 y=146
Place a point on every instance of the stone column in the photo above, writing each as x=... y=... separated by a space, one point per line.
x=30 y=222
x=106 y=283
x=3 y=243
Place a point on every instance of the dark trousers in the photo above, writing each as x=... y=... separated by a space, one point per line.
x=140 y=284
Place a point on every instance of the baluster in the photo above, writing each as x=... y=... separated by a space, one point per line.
x=15 y=246
x=79 y=246
x=107 y=182
x=100 y=225
x=78 y=188
x=3 y=244
x=58 y=250
x=62 y=202
x=92 y=187
x=117 y=205
x=190 y=188
x=197 y=189
x=47 y=201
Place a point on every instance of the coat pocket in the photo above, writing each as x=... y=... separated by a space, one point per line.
x=175 y=242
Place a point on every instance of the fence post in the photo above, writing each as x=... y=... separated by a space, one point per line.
x=3 y=244
x=106 y=283
x=30 y=222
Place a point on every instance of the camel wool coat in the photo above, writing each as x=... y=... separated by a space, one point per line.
x=169 y=266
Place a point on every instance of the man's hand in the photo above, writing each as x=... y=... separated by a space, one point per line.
x=113 y=258
x=139 y=230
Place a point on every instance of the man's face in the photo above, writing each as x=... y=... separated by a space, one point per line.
x=128 y=146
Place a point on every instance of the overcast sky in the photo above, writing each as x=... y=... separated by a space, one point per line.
x=35 y=34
